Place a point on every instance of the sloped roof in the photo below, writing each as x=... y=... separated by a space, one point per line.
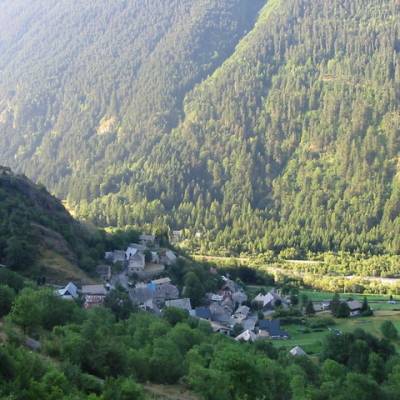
x=273 y=327
x=249 y=323
x=161 y=281
x=97 y=290
x=183 y=304
x=354 y=305
x=297 y=351
x=69 y=290
x=247 y=336
x=242 y=310
x=202 y=312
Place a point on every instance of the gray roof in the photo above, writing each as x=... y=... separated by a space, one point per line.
x=273 y=327
x=219 y=314
x=183 y=304
x=354 y=305
x=95 y=290
x=141 y=294
x=202 y=312
x=69 y=291
x=167 y=292
x=249 y=323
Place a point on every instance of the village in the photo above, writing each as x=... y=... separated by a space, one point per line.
x=142 y=271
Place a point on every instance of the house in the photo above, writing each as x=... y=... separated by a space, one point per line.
x=297 y=351
x=115 y=256
x=183 y=304
x=271 y=329
x=93 y=301
x=141 y=294
x=239 y=297
x=220 y=328
x=161 y=281
x=355 y=307
x=147 y=240
x=94 y=295
x=241 y=314
x=228 y=304
x=268 y=301
x=249 y=323
x=220 y=314
x=94 y=290
x=136 y=263
x=202 y=313
x=229 y=286
x=69 y=292
x=168 y=257
x=246 y=336
x=163 y=290
x=130 y=252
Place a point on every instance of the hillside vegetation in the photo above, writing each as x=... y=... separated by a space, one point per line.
x=262 y=125
x=38 y=237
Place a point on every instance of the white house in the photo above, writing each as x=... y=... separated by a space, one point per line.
x=130 y=252
x=297 y=351
x=69 y=292
x=246 y=336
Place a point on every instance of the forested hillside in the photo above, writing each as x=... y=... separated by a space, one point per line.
x=38 y=236
x=169 y=113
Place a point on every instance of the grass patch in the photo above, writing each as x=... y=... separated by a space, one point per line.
x=311 y=340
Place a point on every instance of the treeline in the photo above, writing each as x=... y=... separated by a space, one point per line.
x=346 y=264
x=98 y=354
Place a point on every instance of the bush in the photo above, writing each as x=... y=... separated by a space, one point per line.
x=389 y=331
x=7 y=296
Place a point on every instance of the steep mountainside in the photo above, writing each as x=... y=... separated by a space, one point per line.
x=37 y=235
x=150 y=114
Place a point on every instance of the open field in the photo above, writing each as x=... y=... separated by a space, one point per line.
x=311 y=342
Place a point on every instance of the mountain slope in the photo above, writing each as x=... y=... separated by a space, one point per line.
x=290 y=139
x=37 y=235
x=88 y=83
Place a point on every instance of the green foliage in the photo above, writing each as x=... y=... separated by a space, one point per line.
x=119 y=303
x=7 y=296
x=309 y=310
x=31 y=310
x=11 y=279
x=389 y=331
x=31 y=221
x=98 y=356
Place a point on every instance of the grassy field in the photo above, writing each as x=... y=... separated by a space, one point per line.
x=312 y=342
x=377 y=302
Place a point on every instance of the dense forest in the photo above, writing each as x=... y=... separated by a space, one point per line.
x=103 y=354
x=258 y=124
